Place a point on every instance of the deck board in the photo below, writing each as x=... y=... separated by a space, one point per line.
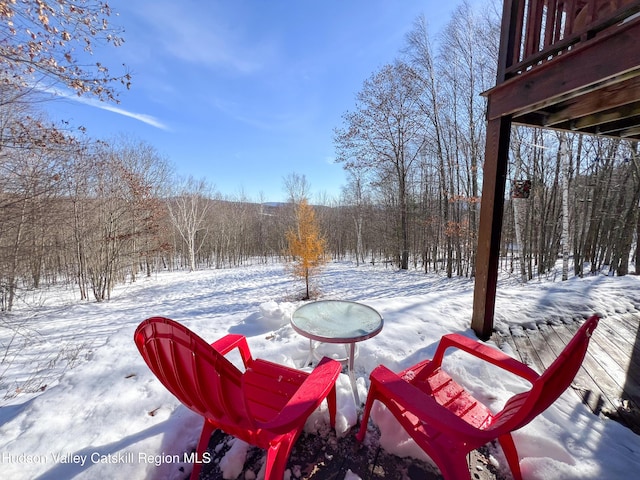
x=609 y=379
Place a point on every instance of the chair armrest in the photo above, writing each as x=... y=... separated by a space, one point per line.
x=484 y=352
x=307 y=398
x=396 y=391
x=231 y=341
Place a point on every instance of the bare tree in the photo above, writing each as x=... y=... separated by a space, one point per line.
x=565 y=159
x=45 y=49
x=297 y=187
x=43 y=43
x=420 y=54
x=386 y=134
x=30 y=170
x=188 y=210
x=356 y=202
x=146 y=175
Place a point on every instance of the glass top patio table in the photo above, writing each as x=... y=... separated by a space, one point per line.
x=337 y=321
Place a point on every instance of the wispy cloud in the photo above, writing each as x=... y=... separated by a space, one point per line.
x=141 y=117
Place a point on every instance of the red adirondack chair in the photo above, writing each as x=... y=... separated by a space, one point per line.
x=448 y=423
x=267 y=405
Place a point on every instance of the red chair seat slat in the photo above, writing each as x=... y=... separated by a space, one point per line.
x=268 y=387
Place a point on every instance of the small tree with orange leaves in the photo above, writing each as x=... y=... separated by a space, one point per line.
x=305 y=244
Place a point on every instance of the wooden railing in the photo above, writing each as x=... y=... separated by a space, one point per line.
x=536 y=31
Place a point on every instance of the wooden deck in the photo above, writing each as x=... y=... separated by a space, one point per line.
x=609 y=379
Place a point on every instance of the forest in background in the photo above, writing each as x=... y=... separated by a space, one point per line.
x=92 y=213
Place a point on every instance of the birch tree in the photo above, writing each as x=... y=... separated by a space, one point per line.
x=420 y=54
x=188 y=212
x=356 y=201
x=563 y=149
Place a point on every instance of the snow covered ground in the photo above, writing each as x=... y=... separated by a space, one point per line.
x=77 y=400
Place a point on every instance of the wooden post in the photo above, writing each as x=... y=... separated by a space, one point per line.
x=491 y=213
x=496 y=155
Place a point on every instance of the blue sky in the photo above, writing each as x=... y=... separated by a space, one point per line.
x=245 y=92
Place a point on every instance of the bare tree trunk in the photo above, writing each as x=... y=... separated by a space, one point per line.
x=519 y=215
x=627 y=219
x=565 y=158
x=12 y=274
x=637 y=256
x=81 y=269
x=519 y=206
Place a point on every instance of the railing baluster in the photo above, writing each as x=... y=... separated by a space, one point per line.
x=546 y=28
x=519 y=34
x=550 y=22
x=532 y=40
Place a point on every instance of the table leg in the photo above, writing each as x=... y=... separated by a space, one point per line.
x=352 y=375
x=309 y=360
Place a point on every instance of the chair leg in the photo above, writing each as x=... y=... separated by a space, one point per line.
x=509 y=449
x=203 y=443
x=273 y=467
x=332 y=404
x=277 y=457
x=453 y=467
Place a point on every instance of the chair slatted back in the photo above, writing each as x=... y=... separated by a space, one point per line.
x=524 y=407
x=192 y=370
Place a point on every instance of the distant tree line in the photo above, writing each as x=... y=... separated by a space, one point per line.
x=103 y=214
x=92 y=213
